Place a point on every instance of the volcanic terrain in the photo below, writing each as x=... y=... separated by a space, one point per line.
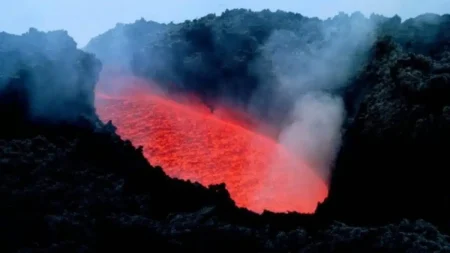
x=211 y=147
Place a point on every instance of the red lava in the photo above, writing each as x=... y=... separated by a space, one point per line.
x=190 y=142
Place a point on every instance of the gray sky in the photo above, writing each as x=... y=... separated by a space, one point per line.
x=84 y=19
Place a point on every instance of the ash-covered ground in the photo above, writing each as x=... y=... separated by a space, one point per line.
x=69 y=183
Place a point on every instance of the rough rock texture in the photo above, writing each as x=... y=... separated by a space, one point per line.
x=44 y=77
x=393 y=161
x=70 y=184
x=97 y=193
x=243 y=55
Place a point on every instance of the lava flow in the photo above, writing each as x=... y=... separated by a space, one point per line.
x=191 y=142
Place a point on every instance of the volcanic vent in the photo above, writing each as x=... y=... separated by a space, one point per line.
x=191 y=142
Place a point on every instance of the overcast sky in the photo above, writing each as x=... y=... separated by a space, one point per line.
x=84 y=19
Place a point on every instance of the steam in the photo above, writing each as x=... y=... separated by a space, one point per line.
x=315 y=133
x=309 y=79
x=47 y=75
x=301 y=73
x=121 y=59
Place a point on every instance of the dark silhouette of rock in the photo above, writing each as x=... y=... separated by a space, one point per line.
x=393 y=162
x=69 y=183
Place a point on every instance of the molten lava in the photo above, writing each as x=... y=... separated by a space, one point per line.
x=191 y=142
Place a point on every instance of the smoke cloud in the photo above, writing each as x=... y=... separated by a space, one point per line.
x=46 y=77
x=293 y=80
x=121 y=58
x=308 y=75
x=315 y=133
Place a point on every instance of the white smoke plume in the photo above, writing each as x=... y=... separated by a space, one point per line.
x=315 y=133
x=309 y=77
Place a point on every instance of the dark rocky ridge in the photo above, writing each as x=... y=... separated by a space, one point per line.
x=75 y=186
x=235 y=56
x=44 y=78
x=393 y=161
x=96 y=193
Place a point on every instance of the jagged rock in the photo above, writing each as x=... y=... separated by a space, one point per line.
x=76 y=186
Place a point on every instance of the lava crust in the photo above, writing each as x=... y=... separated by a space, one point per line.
x=192 y=143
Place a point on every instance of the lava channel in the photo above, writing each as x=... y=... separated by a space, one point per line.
x=192 y=143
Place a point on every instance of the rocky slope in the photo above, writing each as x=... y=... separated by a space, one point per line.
x=70 y=184
x=248 y=57
x=393 y=76
x=393 y=161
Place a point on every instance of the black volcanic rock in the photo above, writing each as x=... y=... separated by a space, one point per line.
x=393 y=161
x=97 y=193
x=44 y=77
x=241 y=56
x=69 y=183
x=229 y=57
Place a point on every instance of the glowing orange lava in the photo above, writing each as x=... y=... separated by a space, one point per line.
x=191 y=142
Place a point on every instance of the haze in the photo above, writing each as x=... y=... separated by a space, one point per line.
x=84 y=19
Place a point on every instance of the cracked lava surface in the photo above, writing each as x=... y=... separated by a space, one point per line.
x=190 y=142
